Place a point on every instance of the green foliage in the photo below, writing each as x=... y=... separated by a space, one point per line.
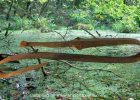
x=21 y=23
x=40 y=22
x=108 y=12
x=80 y=26
x=126 y=25
x=137 y=13
x=50 y=27
x=43 y=1
x=100 y=13
x=53 y=26
x=4 y=23
x=80 y=16
x=60 y=20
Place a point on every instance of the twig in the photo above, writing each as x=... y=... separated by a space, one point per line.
x=89 y=33
x=8 y=14
x=92 y=36
x=39 y=61
x=84 y=85
x=89 y=69
x=7 y=30
x=43 y=8
x=98 y=33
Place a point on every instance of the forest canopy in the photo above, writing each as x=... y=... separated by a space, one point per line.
x=118 y=15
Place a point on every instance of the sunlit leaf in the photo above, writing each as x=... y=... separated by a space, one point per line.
x=43 y=1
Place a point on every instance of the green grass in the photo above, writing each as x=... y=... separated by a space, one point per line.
x=69 y=80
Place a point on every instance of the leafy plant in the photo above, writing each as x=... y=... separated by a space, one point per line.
x=53 y=26
x=80 y=26
x=21 y=23
x=40 y=22
x=80 y=16
x=110 y=12
x=43 y=1
x=126 y=25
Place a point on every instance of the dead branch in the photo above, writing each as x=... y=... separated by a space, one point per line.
x=21 y=71
x=80 y=43
x=39 y=60
x=89 y=33
x=85 y=69
x=73 y=57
